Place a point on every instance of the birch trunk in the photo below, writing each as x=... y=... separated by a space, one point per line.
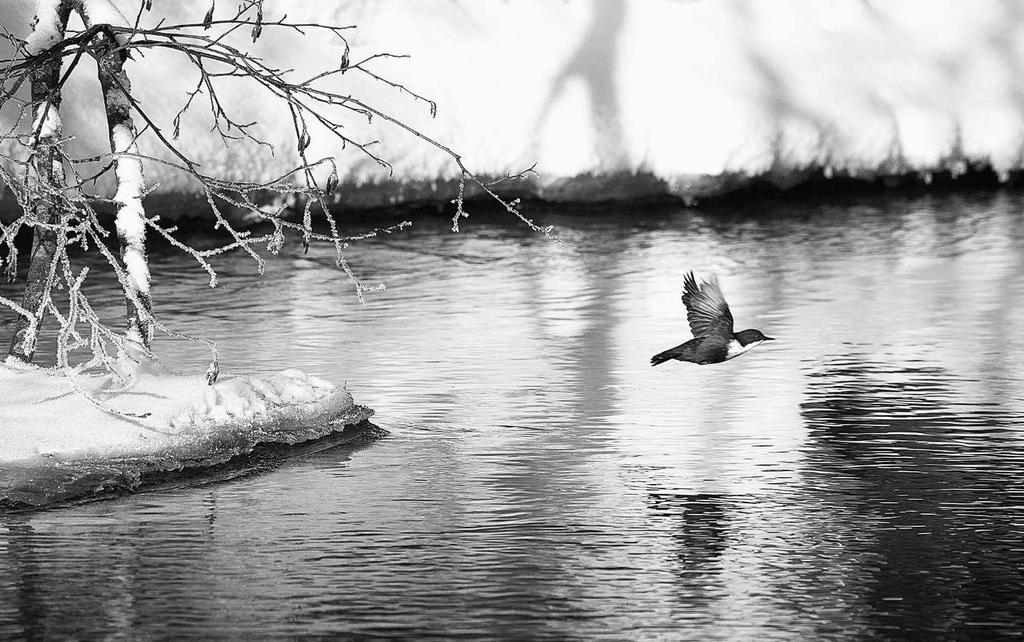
x=130 y=222
x=49 y=24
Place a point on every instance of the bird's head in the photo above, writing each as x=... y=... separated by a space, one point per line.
x=752 y=337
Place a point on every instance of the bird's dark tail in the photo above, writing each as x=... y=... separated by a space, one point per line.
x=662 y=357
x=682 y=352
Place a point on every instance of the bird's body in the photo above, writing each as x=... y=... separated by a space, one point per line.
x=711 y=322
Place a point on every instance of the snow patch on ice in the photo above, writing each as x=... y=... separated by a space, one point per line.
x=292 y=394
x=178 y=417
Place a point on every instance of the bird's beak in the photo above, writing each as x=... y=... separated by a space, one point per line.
x=769 y=338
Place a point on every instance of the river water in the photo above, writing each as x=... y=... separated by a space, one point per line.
x=859 y=477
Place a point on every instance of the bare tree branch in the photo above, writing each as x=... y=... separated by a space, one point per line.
x=50 y=186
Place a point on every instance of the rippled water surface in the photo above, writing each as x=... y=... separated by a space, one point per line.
x=859 y=477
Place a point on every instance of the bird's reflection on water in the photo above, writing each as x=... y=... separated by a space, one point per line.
x=858 y=477
x=700 y=527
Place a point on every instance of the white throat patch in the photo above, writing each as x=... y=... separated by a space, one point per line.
x=734 y=349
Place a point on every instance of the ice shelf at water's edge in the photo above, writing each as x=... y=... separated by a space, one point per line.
x=57 y=444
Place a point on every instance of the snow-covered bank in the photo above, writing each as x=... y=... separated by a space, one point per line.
x=663 y=96
x=162 y=422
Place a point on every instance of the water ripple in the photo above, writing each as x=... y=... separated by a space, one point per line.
x=859 y=478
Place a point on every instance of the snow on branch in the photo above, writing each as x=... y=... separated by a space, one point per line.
x=98 y=12
x=48 y=25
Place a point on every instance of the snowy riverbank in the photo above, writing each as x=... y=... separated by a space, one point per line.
x=625 y=98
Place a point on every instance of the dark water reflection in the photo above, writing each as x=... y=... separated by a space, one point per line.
x=858 y=478
x=937 y=486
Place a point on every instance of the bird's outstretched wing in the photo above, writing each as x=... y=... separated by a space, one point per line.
x=706 y=309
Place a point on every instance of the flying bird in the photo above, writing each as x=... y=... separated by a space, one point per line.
x=711 y=322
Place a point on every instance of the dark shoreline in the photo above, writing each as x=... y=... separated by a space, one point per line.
x=359 y=208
